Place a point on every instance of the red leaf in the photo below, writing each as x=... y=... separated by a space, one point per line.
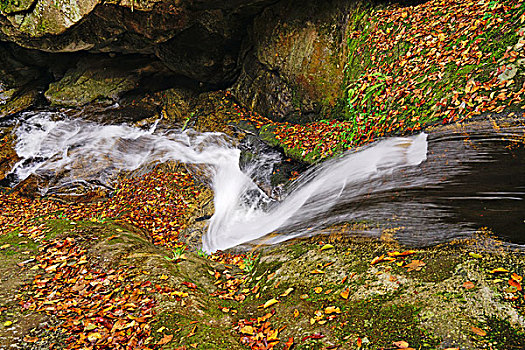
x=313 y=336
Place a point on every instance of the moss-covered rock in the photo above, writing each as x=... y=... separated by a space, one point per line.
x=296 y=68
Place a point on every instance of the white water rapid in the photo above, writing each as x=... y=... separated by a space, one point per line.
x=77 y=151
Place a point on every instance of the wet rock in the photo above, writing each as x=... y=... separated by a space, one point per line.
x=102 y=80
x=30 y=187
x=294 y=66
x=198 y=39
x=8 y=156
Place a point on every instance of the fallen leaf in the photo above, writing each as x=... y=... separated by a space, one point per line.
x=93 y=337
x=516 y=277
x=415 y=265
x=499 y=270
x=478 y=331
x=316 y=271
x=287 y=292
x=377 y=259
x=166 y=339
x=164 y=277
x=8 y=323
x=295 y=313
x=332 y=310
x=190 y=285
x=318 y=290
x=359 y=342
x=288 y=345
x=192 y=332
x=398 y=254
x=515 y=284
x=475 y=255
x=327 y=246
x=401 y=344
x=313 y=336
x=270 y=303
x=345 y=293
x=468 y=285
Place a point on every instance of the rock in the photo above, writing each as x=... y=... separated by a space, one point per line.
x=294 y=67
x=30 y=187
x=8 y=156
x=101 y=80
x=18 y=101
x=198 y=39
x=18 y=82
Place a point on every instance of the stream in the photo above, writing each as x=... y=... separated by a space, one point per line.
x=428 y=188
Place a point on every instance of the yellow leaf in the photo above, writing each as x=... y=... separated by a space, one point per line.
x=8 y=323
x=92 y=337
x=270 y=303
x=287 y=292
x=377 y=259
x=332 y=310
x=247 y=330
x=327 y=246
x=164 y=277
x=318 y=290
x=180 y=294
x=5 y=246
x=295 y=313
x=475 y=255
x=273 y=335
x=316 y=271
x=499 y=270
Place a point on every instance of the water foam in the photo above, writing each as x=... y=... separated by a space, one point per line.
x=72 y=151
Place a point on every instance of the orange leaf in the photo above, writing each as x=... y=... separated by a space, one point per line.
x=516 y=277
x=288 y=344
x=478 y=331
x=515 y=284
x=359 y=342
x=377 y=259
x=405 y=253
x=166 y=339
x=468 y=285
x=344 y=294
x=415 y=265
x=401 y=344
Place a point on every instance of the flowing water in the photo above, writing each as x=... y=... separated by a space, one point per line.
x=427 y=188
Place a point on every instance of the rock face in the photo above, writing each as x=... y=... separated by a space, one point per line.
x=295 y=59
x=284 y=59
x=197 y=39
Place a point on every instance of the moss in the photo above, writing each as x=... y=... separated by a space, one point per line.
x=383 y=323
x=17 y=244
x=502 y=335
x=188 y=331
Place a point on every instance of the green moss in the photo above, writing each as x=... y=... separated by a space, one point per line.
x=17 y=243
x=383 y=323
x=502 y=335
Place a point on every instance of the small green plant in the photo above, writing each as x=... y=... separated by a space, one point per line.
x=187 y=121
x=202 y=253
x=249 y=262
x=177 y=253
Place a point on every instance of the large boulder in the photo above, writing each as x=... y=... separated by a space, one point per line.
x=295 y=59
